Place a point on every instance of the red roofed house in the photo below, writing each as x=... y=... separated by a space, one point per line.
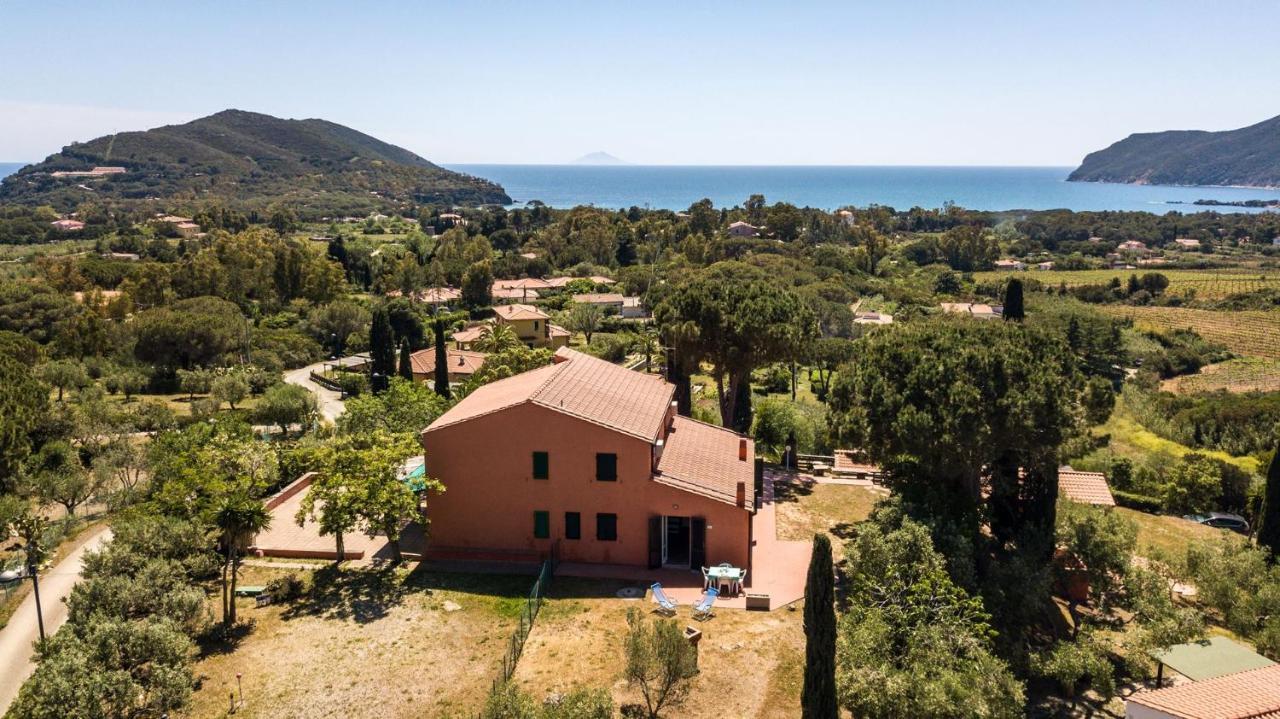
x=1085 y=487
x=462 y=364
x=67 y=225
x=1253 y=694
x=590 y=460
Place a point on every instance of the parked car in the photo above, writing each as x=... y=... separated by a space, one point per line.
x=13 y=575
x=1221 y=520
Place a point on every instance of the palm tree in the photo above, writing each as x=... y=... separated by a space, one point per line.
x=239 y=519
x=496 y=337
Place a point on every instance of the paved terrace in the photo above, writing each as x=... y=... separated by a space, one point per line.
x=778 y=567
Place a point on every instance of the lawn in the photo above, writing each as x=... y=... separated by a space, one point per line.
x=369 y=643
x=831 y=508
x=1165 y=534
x=751 y=663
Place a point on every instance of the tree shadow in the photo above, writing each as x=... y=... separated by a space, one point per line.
x=792 y=488
x=219 y=640
x=361 y=595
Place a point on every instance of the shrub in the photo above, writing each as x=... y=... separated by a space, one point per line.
x=286 y=588
x=1140 y=502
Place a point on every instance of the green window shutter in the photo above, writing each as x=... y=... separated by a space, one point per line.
x=541 y=524
x=541 y=465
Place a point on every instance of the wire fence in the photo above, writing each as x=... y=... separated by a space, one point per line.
x=528 y=613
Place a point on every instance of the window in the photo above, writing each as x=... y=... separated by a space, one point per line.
x=541 y=524
x=541 y=465
x=606 y=467
x=535 y=325
x=572 y=525
x=607 y=527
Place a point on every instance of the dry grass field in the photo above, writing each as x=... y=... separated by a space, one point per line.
x=750 y=663
x=831 y=508
x=370 y=644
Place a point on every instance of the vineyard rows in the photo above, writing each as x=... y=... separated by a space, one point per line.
x=1206 y=285
x=1251 y=333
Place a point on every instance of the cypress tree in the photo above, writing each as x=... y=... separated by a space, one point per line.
x=442 y=360
x=382 y=346
x=1269 y=522
x=1013 y=309
x=818 y=698
x=406 y=360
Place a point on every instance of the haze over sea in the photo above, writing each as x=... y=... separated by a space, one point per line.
x=675 y=187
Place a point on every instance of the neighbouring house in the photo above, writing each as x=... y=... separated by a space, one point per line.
x=1085 y=487
x=872 y=318
x=1132 y=246
x=743 y=229
x=433 y=295
x=609 y=301
x=1252 y=694
x=462 y=364
x=562 y=282
x=1048 y=265
x=522 y=289
x=67 y=225
x=126 y=256
x=587 y=461
x=1275 y=241
x=1011 y=265
x=529 y=255
x=453 y=219
x=1187 y=243
x=463 y=338
x=974 y=309
x=633 y=308
x=187 y=229
x=532 y=326
x=1152 y=262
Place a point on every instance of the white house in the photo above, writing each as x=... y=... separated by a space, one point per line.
x=743 y=229
x=1011 y=265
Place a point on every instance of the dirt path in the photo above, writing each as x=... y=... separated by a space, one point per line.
x=22 y=630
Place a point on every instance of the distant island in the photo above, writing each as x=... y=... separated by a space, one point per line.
x=248 y=160
x=599 y=158
x=1248 y=157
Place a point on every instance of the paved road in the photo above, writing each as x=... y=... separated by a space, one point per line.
x=329 y=402
x=21 y=632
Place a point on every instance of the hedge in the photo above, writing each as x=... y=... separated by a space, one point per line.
x=1140 y=502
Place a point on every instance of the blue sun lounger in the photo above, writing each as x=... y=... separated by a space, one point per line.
x=703 y=608
x=665 y=604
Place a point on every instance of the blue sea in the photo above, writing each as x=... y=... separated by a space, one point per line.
x=676 y=187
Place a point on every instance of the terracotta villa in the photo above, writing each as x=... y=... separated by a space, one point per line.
x=590 y=460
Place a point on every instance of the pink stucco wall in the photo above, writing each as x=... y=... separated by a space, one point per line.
x=490 y=494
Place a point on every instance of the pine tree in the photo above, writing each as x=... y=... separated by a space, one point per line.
x=818 y=698
x=1269 y=522
x=1013 y=300
x=406 y=360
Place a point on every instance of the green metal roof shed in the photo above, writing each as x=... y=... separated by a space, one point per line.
x=1209 y=658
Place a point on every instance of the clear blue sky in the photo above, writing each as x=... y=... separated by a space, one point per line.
x=960 y=83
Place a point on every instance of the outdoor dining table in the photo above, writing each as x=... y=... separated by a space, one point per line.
x=731 y=575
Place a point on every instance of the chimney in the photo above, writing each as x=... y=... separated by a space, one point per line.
x=742 y=494
x=461 y=361
x=742 y=449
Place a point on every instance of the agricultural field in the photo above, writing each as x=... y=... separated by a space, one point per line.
x=1245 y=374
x=1200 y=284
x=1252 y=333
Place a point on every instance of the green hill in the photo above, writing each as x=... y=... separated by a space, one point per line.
x=249 y=160
x=1248 y=156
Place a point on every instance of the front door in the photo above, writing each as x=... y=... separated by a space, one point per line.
x=675 y=542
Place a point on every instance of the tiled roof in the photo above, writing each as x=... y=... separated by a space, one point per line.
x=1085 y=487
x=470 y=334
x=580 y=385
x=520 y=312
x=513 y=293
x=703 y=459
x=459 y=361
x=605 y=298
x=558 y=331
x=524 y=283
x=1253 y=694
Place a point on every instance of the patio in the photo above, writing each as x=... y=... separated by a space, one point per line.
x=778 y=567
